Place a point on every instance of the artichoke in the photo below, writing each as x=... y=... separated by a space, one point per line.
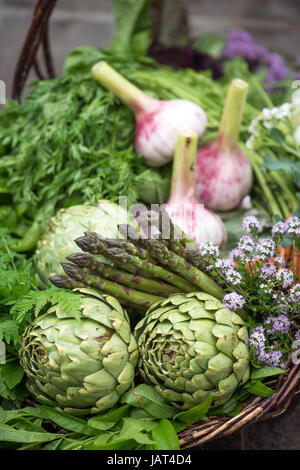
x=84 y=366
x=69 y=224
x=192 y=346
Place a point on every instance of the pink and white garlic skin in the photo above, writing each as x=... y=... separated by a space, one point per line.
x=223 y=172
x=199 y=223
x=223 y=176
x=158 y=122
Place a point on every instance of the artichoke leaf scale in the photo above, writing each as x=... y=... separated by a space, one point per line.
x=202 y=329
x=101 y=382
x=79 y=397
x=204 y=352
x=227 y=339
x=200 y=395
x=195 y=366
x=175 y=299
x=106 y=402
x=223 y=316
x=51 y=390
x=125 y=376
x=243 y=335
x=241 y=351
x=213 y=305
x=76 y=356
x=200 y=312
x=236 y=319
x=219 y=367
x=188 y=306
x=202 y=296
x=78 y=370
x=241 y=369
x=114 y=363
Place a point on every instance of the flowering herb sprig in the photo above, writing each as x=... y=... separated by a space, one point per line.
x=263 y=284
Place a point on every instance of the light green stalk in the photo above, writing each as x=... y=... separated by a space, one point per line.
x=128 y=93
x=183 y=173
x=233 y=113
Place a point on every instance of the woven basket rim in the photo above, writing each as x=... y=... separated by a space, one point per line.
x=254 y=410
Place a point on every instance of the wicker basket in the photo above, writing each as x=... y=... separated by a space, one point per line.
x=254 y=410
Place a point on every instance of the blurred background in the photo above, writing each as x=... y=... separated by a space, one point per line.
x=274 y=24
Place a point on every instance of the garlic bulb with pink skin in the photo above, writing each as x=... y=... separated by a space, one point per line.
x=158 y=122
x=192 y=218
x=223 y=172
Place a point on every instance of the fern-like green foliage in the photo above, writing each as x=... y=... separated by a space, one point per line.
x=20 y=302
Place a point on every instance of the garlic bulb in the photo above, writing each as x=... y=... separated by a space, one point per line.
x=193 y=218
x=223 y=172
x=158 y=122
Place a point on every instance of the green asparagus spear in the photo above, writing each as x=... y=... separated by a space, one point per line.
x=155 y=287
x=119 y=243
x=183 y=268
x=64 y=282
x=134 y=297
x=127 y=261
x=145 y=266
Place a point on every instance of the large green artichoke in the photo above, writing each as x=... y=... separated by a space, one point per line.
x=81 y=366
x=69 y=224
x=192 y=346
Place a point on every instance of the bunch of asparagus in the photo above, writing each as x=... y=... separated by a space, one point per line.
x=139 y=269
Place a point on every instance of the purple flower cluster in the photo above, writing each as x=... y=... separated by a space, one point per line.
x=267 y=288
x=235 y=254
x=297 y=335
x=209 y=249
x=247 y=245
x=241 y=44
x=233 y=277
x=265 y=248
x=257 y=338
x=234 y=301
x=271 y=358
x=286 y=277
x=251 y=224
x=268 y=270
x=294 y=294
x=277 y=68
x=290 y=228
x=266 y=354
x=280 y=324
x=278 y=229
x=263 y=283
x=224 y=263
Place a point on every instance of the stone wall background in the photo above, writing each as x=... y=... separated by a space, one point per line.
x=275 y=23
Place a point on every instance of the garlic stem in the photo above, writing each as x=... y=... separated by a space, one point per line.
x=183 y=173
x=256 y=165
x=233 y=113
x=128 y=93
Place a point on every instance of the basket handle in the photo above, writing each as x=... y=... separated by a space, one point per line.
x=37 y=34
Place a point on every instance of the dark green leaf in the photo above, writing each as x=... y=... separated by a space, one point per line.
x=146 y=397
x=165 y=436
x=196 y=413
x=266 y=371
x=12 y=373
x=108 y=420
x=10 y=434
x=278 y=136
x=67 y=421
x=259 y=389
